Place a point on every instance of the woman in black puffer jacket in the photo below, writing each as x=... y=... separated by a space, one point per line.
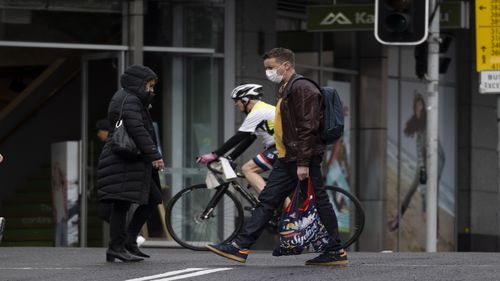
x=123 y=181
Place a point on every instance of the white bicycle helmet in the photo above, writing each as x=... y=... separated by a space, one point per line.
x=247 y=92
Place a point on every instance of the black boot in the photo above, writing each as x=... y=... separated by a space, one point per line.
x=122 y=255
x=131 y=247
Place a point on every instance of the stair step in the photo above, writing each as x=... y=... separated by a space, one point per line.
x=31 y=197
x=28 y=234
x=22 y=222
x=22 y=210
x=29 y=216
x=27 y=244
x=36 y=184
x=95 y=243
x=30 y=226
x=35 y=220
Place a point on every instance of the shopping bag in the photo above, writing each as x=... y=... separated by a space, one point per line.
x=300 y=226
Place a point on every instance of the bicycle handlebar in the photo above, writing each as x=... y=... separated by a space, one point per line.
x=212 y=169
x=220 y=172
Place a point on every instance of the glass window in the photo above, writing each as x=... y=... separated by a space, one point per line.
x=195 y=24
x=53 y=25
x=189 y=112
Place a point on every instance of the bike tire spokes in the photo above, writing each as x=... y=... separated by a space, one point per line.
x=349 y=212
x=191 y=229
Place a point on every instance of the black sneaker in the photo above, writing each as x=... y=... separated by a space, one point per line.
x=330 y=258
x=230 y=251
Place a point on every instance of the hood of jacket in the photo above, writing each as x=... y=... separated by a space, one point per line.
x=134 y=80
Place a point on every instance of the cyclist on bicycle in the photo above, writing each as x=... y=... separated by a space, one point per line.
x=258 y=122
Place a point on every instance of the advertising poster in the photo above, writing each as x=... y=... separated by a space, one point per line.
x=337 y=156
x=407 y=167
x=65 y=204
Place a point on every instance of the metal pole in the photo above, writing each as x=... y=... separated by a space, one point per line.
x=432 y=129
x=398 y=200
x=83 y=156
x=136 y=35
x=229 y=66
x=498 y=136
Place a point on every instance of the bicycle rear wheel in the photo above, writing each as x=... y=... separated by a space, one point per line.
x=350 y=214
x=187 y=226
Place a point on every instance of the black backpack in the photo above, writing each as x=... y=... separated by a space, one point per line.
x=333 y=116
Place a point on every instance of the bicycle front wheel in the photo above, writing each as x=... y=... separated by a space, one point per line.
x=191 y=229
x=350 y=214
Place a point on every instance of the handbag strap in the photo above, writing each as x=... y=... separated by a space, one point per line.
x=310 y=189
x=296 y=196
x=121 y=110
x=294 y=201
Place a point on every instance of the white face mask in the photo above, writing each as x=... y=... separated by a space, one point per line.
x=273 y=76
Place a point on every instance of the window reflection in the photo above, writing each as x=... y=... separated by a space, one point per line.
x=189 y=114
x=45 y=25
x=195 y=24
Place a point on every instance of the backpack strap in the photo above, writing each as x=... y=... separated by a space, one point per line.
x=291 y=82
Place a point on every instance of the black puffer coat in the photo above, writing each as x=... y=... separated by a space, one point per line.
x=125 y=179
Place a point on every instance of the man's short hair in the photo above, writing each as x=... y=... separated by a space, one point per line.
x=102 y=124
x=281 y=55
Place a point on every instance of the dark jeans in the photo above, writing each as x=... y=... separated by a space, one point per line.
x=281 y=183
x=118 y=222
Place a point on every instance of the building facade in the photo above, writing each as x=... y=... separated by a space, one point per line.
x=61 y=60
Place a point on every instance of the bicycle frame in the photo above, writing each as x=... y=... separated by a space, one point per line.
x=221 y=189
x=221 y=203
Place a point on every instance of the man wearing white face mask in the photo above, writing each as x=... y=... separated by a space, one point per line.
x=299 y=115
x=273 y=76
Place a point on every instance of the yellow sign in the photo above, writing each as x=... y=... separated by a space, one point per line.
x=487 y=35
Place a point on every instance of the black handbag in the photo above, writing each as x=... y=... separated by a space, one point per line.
x=120 y=142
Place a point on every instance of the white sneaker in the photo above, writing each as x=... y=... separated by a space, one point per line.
x=2 y=226
x=140 y=240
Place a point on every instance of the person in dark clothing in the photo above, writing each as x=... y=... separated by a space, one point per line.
x=105 y=209
x=102 y=126
x=121 y=181
x=299 y=115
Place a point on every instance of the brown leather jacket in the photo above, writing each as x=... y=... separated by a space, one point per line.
x=302 y=120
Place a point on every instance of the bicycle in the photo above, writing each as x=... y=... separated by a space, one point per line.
x=197 y=216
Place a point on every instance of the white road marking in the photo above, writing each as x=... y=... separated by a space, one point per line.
x=38 y=268
x=201 y=271
x=166 y=274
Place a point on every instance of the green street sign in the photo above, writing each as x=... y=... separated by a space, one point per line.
x=362 y=17
x=340 y=17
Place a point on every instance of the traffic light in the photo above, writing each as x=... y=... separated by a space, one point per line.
x=421 y=56
x=401 y=22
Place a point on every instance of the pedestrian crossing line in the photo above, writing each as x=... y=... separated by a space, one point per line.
x=166 y=274
x=38 y=268
x=194 y=274
x=179 y=274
